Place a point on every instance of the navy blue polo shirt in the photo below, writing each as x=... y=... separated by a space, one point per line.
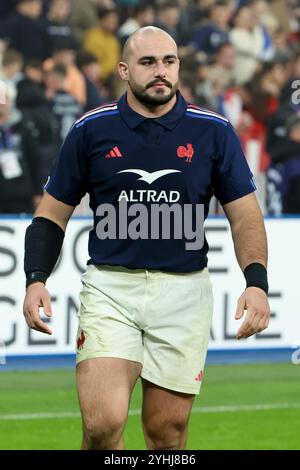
x=121 y=157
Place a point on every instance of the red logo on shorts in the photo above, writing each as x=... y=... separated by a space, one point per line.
x=199 y=376
x=81 y=340
x=187 y=152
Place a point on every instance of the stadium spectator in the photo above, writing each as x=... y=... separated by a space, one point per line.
x=232 y=105
x=65 y=108
x=261 y=100
x=57 y=22
x=222 y=68
x=24 y=31
x=126 y=7
x=293 y=71
x=283 y=50
x=208 y=37
x=268 y=24
x=89 y=67
x=20 y=179
x=248 y=40
x=84 y=15
x=143 y=15
x=207 y=90
x=103 y=43
x=32 y=102
x=223 y=97
x=168 y=16
x=12 y=66
x=65 y=54
x=186 y=87
x=283 y=175
x=31 y=99
x=265 y=91
x=198 y=11
x=11 y=75
x=288 y=107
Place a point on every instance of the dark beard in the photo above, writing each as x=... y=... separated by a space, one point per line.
x=141 y=95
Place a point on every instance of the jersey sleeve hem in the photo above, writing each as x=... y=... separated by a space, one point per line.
x=236 y=196
x=65 y=200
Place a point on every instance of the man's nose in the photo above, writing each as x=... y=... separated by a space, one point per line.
x=160 y=69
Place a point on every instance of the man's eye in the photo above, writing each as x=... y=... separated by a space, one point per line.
x=146 y=63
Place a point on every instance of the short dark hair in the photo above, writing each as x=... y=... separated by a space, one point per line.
x=168 y=4
x=141 y=7
x=11 y=57
x=220 y=3
x=34 y=64
x=104 y=11
x=65 y=43
x=85 y=58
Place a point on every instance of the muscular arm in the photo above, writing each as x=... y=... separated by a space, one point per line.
x=248 y=231
x=36 y=293
x=54 y=210
x=250 y=244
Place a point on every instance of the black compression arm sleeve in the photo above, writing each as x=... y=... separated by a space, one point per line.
x=43 y=242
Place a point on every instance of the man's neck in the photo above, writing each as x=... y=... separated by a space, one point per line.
x=148 y=110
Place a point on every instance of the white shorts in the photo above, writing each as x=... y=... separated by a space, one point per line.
x=161 y=320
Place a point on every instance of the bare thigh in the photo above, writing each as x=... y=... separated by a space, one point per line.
x=104 y=389
x=165 y=417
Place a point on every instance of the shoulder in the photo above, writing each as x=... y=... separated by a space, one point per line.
x=237 y=34
x=93 y=33
x=103 y=113
x=204 y=114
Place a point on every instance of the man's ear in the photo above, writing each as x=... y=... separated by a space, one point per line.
x=123 y=70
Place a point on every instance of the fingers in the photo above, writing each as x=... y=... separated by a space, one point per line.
x=245 y=327
x=47 y=307
x=255 y=322
x=263 y=324
x=258 y=312
x=240 y=308
x=40 y=326
x=31 y=310
x=34 y=321
x=248 y=326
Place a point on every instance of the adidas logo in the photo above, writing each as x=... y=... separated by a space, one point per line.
x=115 y=152
x=199 y=376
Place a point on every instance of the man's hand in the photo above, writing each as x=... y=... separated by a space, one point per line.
x=255 y=301
x=37 y=296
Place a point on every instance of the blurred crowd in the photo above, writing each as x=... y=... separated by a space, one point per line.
x=58 y=59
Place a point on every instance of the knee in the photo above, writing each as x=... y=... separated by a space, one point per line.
x=166 y=435
x=101 y=434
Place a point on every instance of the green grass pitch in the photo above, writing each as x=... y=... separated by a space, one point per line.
x=253 y=406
